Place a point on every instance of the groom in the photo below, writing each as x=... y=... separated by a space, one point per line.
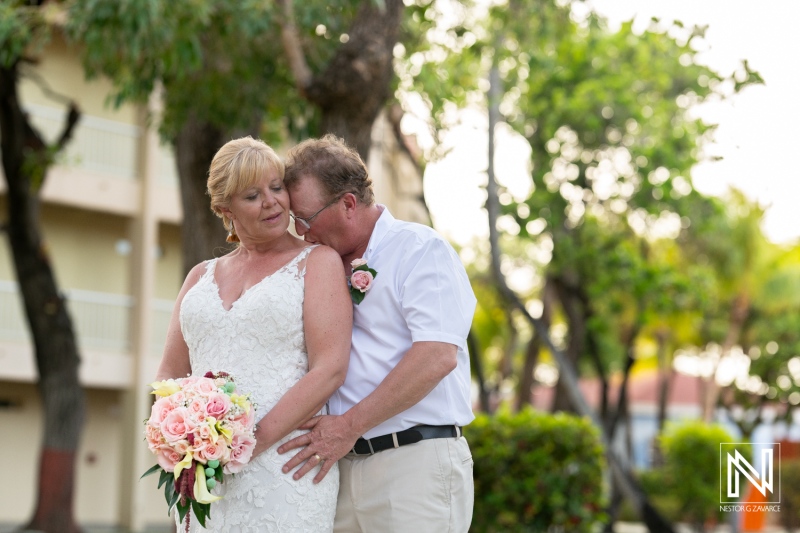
x=395 y=423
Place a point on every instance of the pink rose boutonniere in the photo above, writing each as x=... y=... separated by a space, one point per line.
x=361 y=279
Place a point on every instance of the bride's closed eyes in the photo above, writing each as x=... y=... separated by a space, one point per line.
x=252 y=195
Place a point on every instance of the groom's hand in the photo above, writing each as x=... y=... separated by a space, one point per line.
x=330 y=439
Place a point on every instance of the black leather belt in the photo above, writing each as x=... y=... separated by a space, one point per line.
x=401 y=438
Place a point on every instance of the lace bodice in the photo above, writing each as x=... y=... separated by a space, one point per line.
x=260 y=341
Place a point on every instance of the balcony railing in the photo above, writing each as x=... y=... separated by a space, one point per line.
x=101 y=320
x=101 y=146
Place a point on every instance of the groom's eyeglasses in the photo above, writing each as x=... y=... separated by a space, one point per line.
x=306 y=222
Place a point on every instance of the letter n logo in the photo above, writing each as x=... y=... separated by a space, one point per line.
x=737 y=475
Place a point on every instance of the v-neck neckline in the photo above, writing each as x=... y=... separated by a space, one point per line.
x=251 y=287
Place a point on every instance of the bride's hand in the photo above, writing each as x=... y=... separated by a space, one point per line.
x=330 y=439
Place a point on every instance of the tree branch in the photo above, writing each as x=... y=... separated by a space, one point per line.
x=73 y=117
x=627 y=483
x=294 y=50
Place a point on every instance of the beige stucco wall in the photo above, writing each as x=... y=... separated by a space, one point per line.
x=98 y=459
x=59 y=65
x=82 y=247
x=169 y=268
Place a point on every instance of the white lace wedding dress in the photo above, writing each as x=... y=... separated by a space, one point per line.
x=260 y=341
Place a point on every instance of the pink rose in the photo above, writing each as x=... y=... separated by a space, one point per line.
x=355 y=263
x=176 y=425
x=152 y=435
x=201 y=387
x=361 y=280
x=245 y=419
x=161 y=408
x=197 y=408
x=217 y=405
x=241 y=452
x=178 y=399
x=167 y=458
x=202 y=432
x=210 y=450
x=181 y=447
x=188 y=381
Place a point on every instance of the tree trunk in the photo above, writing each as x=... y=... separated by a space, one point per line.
x=526 y=377
x=622 y=410
x=202 y=233
x=625 y=479
x=526 y=380
x=509 y=350
x=740 y=309
x=664 y=381
x=477 y=369
x=25 y=162
x=356 y=83
x=572 y=307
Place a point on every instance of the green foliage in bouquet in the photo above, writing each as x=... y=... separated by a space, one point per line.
x=536 y=471
x=174 y=488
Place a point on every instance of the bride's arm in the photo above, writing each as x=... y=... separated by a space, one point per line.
x=328 y=325
x=175 y=360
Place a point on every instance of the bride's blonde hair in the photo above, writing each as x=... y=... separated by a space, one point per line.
x=236 y=166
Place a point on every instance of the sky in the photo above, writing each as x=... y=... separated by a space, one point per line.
x=756 y=138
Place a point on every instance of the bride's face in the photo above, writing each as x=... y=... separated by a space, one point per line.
x=262 y=211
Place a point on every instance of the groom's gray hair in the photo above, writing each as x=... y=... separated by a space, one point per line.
x=337 y=166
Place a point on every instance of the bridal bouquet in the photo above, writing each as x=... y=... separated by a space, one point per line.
x=199 y=429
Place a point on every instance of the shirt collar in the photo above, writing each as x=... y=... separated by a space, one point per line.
x=380 y=230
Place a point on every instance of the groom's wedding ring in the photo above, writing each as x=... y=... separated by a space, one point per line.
x=319 y=459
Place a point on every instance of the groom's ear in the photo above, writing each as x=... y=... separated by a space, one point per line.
x=350 y=203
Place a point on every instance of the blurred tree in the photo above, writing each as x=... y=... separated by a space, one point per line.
x=753 y=324
x=605 y=114
x=26 y=157
x=753 y=279
x=223 y=73
x=352 y=86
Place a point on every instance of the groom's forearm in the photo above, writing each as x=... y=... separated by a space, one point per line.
x=417 y=374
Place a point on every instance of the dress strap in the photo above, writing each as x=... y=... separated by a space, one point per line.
x=211 y=265
x=302 y=256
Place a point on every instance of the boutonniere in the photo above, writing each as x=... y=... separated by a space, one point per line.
x=361 y=279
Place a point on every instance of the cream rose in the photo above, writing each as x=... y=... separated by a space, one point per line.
x=355 y=263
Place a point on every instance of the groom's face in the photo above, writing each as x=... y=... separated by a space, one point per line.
x=308 y=200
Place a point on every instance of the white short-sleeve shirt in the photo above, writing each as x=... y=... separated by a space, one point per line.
x=421 y=293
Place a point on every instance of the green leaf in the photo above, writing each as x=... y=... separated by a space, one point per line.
x=173 y=500
x=201 y=511
x=183 y=508
x=165 y=477
x=169 y=492
x=152 y=470
x=357 y=296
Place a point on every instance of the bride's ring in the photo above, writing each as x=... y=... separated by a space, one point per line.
x=319 y=459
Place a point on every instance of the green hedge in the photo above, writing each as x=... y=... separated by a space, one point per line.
x=536 y=472
x=790 y=492
x=687 y=487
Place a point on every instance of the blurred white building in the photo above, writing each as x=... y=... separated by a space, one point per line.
x=113 y=193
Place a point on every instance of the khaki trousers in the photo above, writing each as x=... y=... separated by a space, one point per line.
x=422 y=487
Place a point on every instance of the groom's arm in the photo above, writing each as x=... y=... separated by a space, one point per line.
x=332 y=437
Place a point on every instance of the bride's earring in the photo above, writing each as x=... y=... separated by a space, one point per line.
x=232 y=237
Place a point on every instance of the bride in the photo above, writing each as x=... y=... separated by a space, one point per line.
x=275 y=314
